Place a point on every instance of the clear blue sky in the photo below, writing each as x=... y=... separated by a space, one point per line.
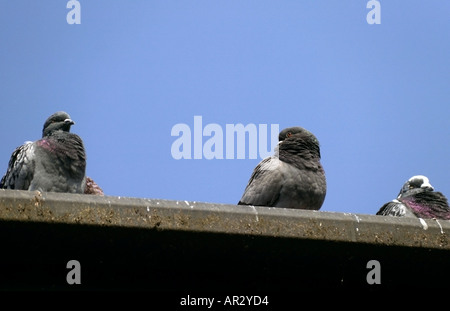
x=376 y=96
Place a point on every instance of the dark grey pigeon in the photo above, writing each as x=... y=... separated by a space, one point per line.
x=417 y=198
x=292 y=178
x=56 y=162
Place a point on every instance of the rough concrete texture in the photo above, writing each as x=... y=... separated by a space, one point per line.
x=221 y=218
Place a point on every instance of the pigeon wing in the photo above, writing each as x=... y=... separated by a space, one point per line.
x=263 y=188
x=21 y=167
x=395 y=208
x=392 y=208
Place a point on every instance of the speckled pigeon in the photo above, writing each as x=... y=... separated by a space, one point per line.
x=417 y=198
x=56 y=162
x=92 y=187
x=292 y=178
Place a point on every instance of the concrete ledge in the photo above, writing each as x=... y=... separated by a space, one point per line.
x=222 y=218
x=134 y=243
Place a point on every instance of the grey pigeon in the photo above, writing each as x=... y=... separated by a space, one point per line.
x=292 y=178
x=55 y=163
x=417 y=198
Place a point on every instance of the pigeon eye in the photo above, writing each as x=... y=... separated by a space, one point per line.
x=289 y=134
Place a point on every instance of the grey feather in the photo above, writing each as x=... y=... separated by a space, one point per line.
x=395 y=208
x=56 y=162
x=292 y=178
x=417 y=198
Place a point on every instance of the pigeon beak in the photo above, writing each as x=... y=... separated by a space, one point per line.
x=69 y=121
x=427 y=186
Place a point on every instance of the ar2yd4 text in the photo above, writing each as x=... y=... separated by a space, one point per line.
x=245 y=301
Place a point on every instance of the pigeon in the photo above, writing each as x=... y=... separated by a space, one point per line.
x=417 y=198
x=54 y=163
x=291 y=178
x=92 y=187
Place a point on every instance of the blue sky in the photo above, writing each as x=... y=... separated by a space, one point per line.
x=376 y=96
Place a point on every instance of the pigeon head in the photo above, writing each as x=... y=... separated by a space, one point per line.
x=298 y=140
x=415 y=184
x=59 y=121
x=295 y=131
